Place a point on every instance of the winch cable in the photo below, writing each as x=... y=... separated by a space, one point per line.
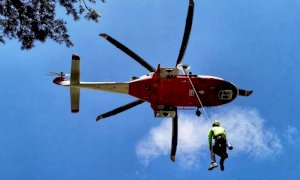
x=198 y=97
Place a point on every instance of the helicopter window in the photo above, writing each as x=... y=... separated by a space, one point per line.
x=225 y=94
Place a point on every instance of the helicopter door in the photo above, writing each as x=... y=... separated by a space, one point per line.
x=168 y=72
x=225 y=94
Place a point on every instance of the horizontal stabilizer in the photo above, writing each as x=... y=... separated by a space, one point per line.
x=244 y=92
x=74 y=80
x=75 y=96
x=75 y=70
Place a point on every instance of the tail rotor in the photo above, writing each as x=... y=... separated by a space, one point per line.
x=60 y=76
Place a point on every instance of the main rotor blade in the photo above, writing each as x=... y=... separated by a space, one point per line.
x=128 y=52
x=187 y=31
x=119 y=109
x=174 y=137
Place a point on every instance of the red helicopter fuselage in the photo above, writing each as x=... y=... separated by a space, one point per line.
x=174 y=91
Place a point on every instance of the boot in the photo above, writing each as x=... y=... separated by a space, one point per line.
x=212 y=166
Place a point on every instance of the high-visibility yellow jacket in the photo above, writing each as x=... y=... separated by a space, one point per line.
x=214 y=132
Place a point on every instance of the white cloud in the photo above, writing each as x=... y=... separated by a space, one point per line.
x=291 y=135
x=245 y=130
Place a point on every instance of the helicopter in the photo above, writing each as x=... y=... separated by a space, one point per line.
x=164 y=88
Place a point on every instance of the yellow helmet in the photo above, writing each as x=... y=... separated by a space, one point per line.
x=216 y=123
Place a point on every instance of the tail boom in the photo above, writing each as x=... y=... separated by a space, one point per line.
x=75 y=84
x=115 y=87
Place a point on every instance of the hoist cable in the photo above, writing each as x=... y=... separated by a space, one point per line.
x=198 y=97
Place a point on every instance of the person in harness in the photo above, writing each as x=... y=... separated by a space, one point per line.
x=220 y=145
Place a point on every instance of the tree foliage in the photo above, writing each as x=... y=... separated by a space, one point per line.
x=35 y=20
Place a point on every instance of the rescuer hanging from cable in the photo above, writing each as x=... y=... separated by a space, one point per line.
x=219 y=146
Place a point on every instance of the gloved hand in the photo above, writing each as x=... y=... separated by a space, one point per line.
x=230 y=147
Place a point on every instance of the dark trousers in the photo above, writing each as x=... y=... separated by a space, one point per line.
x=219 y=148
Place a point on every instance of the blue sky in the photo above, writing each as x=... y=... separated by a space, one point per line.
x=254 y=44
